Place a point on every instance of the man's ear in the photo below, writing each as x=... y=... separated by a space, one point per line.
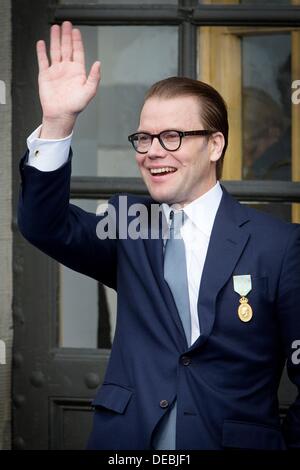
x=216 y=145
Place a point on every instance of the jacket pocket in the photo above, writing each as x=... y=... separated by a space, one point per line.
x=246 y=435
x=112 y=397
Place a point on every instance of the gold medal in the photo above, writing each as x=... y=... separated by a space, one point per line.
x=245 y=311
x=243 y=285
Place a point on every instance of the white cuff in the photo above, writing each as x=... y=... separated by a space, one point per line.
x=47 y=154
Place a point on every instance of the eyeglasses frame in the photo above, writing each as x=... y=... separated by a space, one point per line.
x=200 y=132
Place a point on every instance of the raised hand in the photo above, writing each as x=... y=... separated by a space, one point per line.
x=64 y=87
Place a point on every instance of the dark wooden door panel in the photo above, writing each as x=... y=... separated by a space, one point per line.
x=70 y=423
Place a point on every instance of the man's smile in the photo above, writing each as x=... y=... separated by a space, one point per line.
x=162 y=170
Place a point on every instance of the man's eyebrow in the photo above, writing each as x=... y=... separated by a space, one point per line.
x=164 y=130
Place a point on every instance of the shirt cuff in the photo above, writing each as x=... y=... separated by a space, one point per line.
x=47 y=154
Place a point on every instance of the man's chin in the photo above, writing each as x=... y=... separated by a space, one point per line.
x=162 y=198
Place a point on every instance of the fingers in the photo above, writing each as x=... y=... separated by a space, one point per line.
x=78 y=50
x=94 y=77
x=66 y=41
x=42 y=55
x=66 y=44
x=55 y=51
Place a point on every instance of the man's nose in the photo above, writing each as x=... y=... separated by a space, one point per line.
x=156 y=149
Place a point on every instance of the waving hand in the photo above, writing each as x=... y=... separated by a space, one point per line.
x=65 y=89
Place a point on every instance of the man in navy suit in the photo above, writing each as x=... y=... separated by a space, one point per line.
x=203 y=376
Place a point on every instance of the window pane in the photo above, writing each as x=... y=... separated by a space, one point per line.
x=266 y=2
x=87 y=308
x=247 y=2
x=278 y=209
x=117 y=2
x=132 y=59
x=266 y=100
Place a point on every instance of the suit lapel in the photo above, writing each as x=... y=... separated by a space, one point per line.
x=226 y=245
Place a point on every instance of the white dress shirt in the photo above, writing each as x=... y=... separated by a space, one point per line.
x=49 y=155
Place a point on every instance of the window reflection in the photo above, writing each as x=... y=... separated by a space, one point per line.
x=132 y=58
x=266 y=107
x=87 y=307
x=117 y=2
x=266 y=2
x=247 y=2
x=277 y=209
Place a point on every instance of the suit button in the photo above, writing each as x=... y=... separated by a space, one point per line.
x=185 y=360
x=164 y=403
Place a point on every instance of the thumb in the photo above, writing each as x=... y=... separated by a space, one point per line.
x=93 y=79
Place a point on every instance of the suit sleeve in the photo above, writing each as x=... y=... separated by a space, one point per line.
x=289 y=316
x=60 y=229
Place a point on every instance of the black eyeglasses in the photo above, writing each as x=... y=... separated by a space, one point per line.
x=169 y=140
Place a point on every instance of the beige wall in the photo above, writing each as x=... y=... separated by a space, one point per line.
x=5 y=225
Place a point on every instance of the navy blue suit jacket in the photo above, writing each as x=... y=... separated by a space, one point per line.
x=227 y=390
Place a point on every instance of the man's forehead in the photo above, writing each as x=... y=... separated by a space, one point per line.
x=177 y=112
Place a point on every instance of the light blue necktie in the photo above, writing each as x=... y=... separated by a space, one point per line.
x=175 y=274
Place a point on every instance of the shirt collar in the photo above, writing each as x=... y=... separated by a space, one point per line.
x=202 y=211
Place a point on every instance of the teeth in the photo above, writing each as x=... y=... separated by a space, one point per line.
x=162 y=170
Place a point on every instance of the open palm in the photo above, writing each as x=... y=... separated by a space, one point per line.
x=64 y=87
